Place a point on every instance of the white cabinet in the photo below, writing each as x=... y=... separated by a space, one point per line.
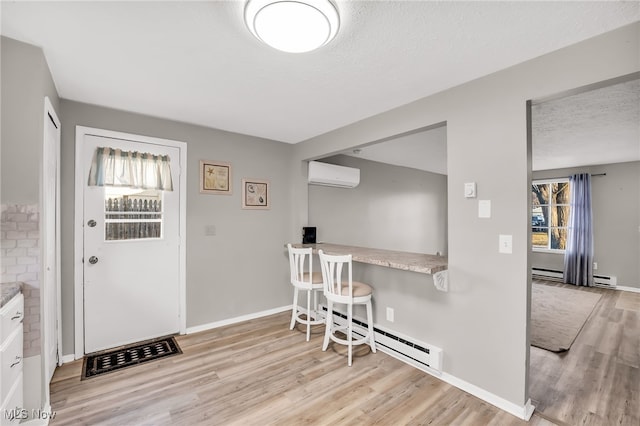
x=11 y=316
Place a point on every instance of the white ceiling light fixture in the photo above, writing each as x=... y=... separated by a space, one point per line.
x=292 y=26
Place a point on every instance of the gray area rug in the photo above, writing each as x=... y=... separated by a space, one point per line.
x=558 y=314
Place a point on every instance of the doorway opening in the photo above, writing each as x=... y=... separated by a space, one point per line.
x=592 y=129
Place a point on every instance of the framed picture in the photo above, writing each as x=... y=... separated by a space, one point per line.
x=255 y=194
x=215 y=177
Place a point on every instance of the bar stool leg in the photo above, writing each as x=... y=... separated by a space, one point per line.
x=308 y=314
x=294 y=308
x=328 y=326
x=350 y=331
x=315 y=305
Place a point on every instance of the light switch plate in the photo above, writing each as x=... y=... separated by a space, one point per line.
x=470 y=190
x=484 y=209
x=505 y=244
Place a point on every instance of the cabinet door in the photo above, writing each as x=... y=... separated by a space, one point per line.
x=11 y=316
x=10 y=362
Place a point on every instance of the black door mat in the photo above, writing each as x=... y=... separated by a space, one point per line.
x=128 y=356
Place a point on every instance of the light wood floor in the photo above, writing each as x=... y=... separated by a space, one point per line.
x=260 y=373
x=596 y=382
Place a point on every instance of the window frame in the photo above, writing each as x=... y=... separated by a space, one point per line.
x=547 y=249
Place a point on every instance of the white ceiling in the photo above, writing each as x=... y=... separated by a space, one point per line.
x=196 y=62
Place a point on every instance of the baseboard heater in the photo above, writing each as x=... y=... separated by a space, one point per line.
x=604 y=281
x=417 y=354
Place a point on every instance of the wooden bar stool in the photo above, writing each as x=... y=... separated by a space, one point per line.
x=347 y=292
x=303 y=278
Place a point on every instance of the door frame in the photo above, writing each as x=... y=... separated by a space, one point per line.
x=50 y=237
x=80 y=182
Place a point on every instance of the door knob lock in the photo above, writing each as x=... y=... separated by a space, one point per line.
x=93 y=260
x=91 y=223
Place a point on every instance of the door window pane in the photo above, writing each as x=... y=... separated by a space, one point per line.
x=132 y=214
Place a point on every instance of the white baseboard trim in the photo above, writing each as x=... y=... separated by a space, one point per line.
x=529 y=408
x=625 y=288
x=523 y=412
x=217 y=324
x=68 y=358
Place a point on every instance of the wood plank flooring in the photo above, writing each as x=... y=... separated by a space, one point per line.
x=260 y=373
x=597 y=382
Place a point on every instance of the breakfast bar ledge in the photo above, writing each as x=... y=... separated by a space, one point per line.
x=416 y=262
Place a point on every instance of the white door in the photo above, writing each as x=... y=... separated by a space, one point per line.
x=51 y=243
x=131 y=260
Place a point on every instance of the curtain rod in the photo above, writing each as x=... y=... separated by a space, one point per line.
x=595 y=174
x=564 y=177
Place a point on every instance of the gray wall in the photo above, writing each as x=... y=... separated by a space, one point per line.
x=241 y=270
x=482 y=323
x=397 y=208
x=26 y=80
x=616 y=215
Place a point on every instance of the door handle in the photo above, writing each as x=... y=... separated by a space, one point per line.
x=91 y=223
x=93 y=260
x=17 y=361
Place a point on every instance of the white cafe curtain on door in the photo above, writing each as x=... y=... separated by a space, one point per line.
x=114 y=167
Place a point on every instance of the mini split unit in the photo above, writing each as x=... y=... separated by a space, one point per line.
x=331 y=175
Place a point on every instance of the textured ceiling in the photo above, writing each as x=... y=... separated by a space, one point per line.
x=600 y=126
x=196 y=62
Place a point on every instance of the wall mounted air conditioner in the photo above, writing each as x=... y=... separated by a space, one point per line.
x=332 y=175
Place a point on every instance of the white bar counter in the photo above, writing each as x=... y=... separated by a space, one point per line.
x=406 y=261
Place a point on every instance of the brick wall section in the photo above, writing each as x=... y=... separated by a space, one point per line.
x=31 y=324
x=20 y=261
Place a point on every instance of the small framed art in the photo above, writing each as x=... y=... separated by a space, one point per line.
x=215 y=177
x=255 y=194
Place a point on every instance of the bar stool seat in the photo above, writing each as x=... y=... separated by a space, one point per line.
x=349 y=293
x=359 y=289
x=303 y=278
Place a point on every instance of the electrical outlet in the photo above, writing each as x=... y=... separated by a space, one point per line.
x=390 y=314
x=595 y=266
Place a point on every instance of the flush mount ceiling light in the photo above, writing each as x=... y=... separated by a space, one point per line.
x=292 y=26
